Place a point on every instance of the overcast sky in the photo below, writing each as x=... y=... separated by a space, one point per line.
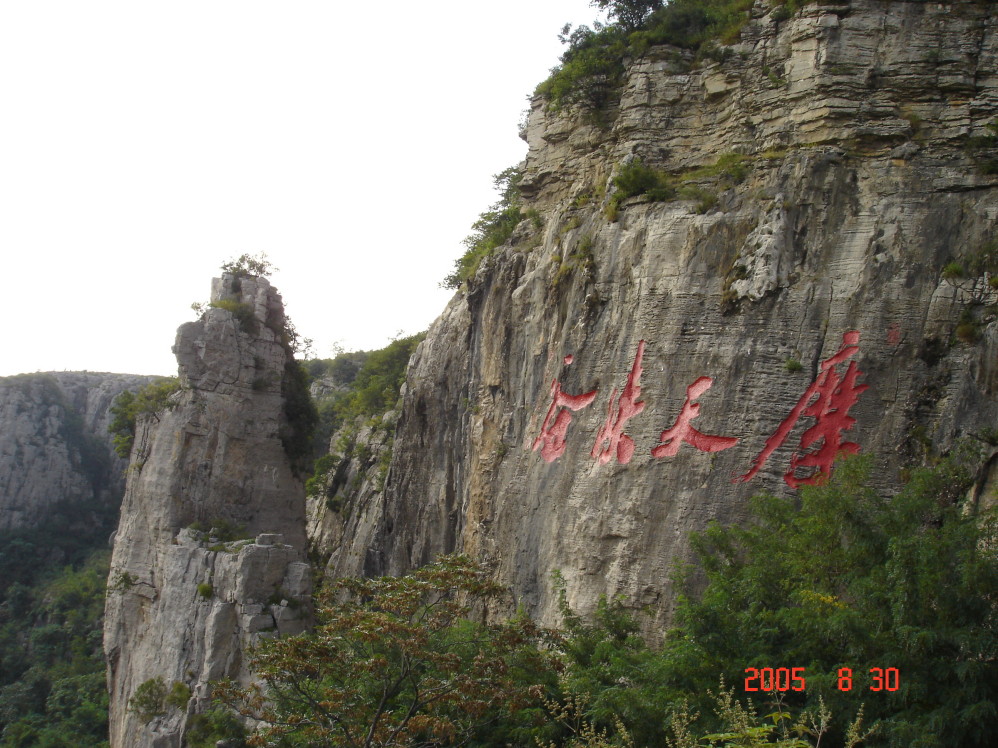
x=144 y=143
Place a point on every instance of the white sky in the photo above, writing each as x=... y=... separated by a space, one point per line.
x=144 y=143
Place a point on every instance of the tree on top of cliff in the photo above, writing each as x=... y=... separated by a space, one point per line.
x=492 y=229
x=629 y=13
x=247 y=264
x=592 y=68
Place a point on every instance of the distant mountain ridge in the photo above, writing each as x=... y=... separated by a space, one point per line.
x=54 y=443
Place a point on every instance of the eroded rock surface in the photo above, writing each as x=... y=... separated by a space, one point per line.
x=210 y=550
x=857 y=186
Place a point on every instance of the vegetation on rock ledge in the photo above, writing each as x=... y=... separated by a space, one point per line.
x=592 y=68
x=366 y=385
x=492 y=229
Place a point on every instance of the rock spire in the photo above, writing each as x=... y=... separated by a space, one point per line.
x=210 y=550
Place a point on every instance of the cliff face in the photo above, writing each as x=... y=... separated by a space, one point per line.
x=340 y=517
x=54 y=443
x=604 y=387
x=209 y=552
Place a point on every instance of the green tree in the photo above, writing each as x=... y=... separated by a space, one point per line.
x=369 y=385
x=376 y=386
x=399 y=663
x=247 y=264
x=841 y=576
x=852 y=579
x=592 y=68
x=149 y=699
x=492 y=229
x=151 y=400
x=612 y=671
x=629 y=13
x=52 y=674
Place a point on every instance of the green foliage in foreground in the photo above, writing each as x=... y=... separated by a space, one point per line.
x=398 y=663
x=840 y=577
x=151 y=400
x=849 y=579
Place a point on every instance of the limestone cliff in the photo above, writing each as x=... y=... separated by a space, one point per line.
x=348 y=496
x=54 y=444
x=209 y=552
x=623 y=371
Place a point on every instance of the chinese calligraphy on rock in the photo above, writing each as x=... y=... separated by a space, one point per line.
x=628 y=406
x=834 y=397
x=682 y=431
x=827 y=400
x=552 y=438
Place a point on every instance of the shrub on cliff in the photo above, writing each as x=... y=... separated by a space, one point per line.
x=628 y=13
x=376 y=386
x=241 y=311
x=151 y=400
x=592 y=68
x=247 y=264
x=371 y=382
x=301 y=416
x=492 y=229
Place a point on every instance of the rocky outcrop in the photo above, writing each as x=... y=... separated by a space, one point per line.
x=210 y=550
x=348 y=495
x=54 y=444
x=621 y=376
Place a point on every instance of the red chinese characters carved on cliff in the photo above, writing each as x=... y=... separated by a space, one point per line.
x=828 y=401
x=682 y=431
x=551 y=441
x=628 y=406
